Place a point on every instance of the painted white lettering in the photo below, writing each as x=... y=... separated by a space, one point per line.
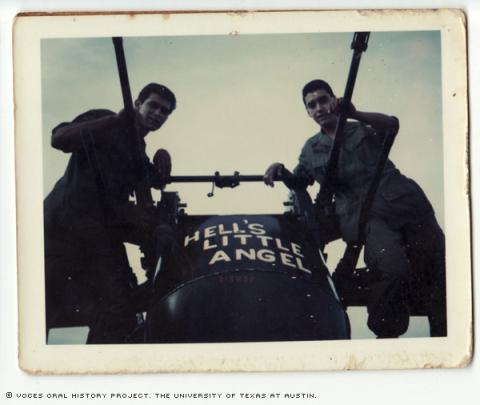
x=243 y=238
x=266 y=255
x=287 y=259
x=300 y=266
x=250 y=254
x=209 y=232
x=222 y=231
x=264 y=240
x=297 y=249
x=278 y=242
x=188 y=239
x=220 y=255
x=236 y=228
x=256 y=229
x=207 y=245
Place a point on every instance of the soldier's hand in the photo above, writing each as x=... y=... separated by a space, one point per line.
x=274 y=171
x=163 y=163
x=347 y=108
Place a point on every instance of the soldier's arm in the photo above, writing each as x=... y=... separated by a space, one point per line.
x=68 y=137
x=378 y=121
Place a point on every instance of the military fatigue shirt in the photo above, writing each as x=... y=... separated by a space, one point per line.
x=398 y=200
x=73 y=210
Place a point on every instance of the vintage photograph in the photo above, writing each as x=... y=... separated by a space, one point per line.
x=205 y=181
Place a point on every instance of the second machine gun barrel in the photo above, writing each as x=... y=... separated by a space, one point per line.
x=234 y=180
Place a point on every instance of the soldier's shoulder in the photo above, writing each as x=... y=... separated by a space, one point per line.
x=356 y=128
x=93 y=114
x=314 y=139
x=355 y=132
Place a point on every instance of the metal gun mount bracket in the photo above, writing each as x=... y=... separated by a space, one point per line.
x=224 y=181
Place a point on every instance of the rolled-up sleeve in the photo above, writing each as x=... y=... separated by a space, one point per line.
x=302 y=169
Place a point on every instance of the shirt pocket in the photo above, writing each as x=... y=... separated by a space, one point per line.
x=365 y=149
x=320 y=155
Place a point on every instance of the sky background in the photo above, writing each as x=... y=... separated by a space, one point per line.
x=240 y=108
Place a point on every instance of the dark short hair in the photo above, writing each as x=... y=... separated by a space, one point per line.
x=161 y=90
x=315 y=85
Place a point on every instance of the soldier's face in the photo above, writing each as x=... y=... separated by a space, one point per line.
x=153 y=112
x=319 y=107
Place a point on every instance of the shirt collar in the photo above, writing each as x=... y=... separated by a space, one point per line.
x=321 y=138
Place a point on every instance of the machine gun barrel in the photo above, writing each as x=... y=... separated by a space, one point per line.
x=210 y=179
x=234 y=180
x=142 y=190
x=359 y=45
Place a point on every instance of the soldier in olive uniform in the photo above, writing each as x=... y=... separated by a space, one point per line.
x=87 y=216
x=402 y=236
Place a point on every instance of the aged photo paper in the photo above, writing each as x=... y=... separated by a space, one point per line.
x=238 y=78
